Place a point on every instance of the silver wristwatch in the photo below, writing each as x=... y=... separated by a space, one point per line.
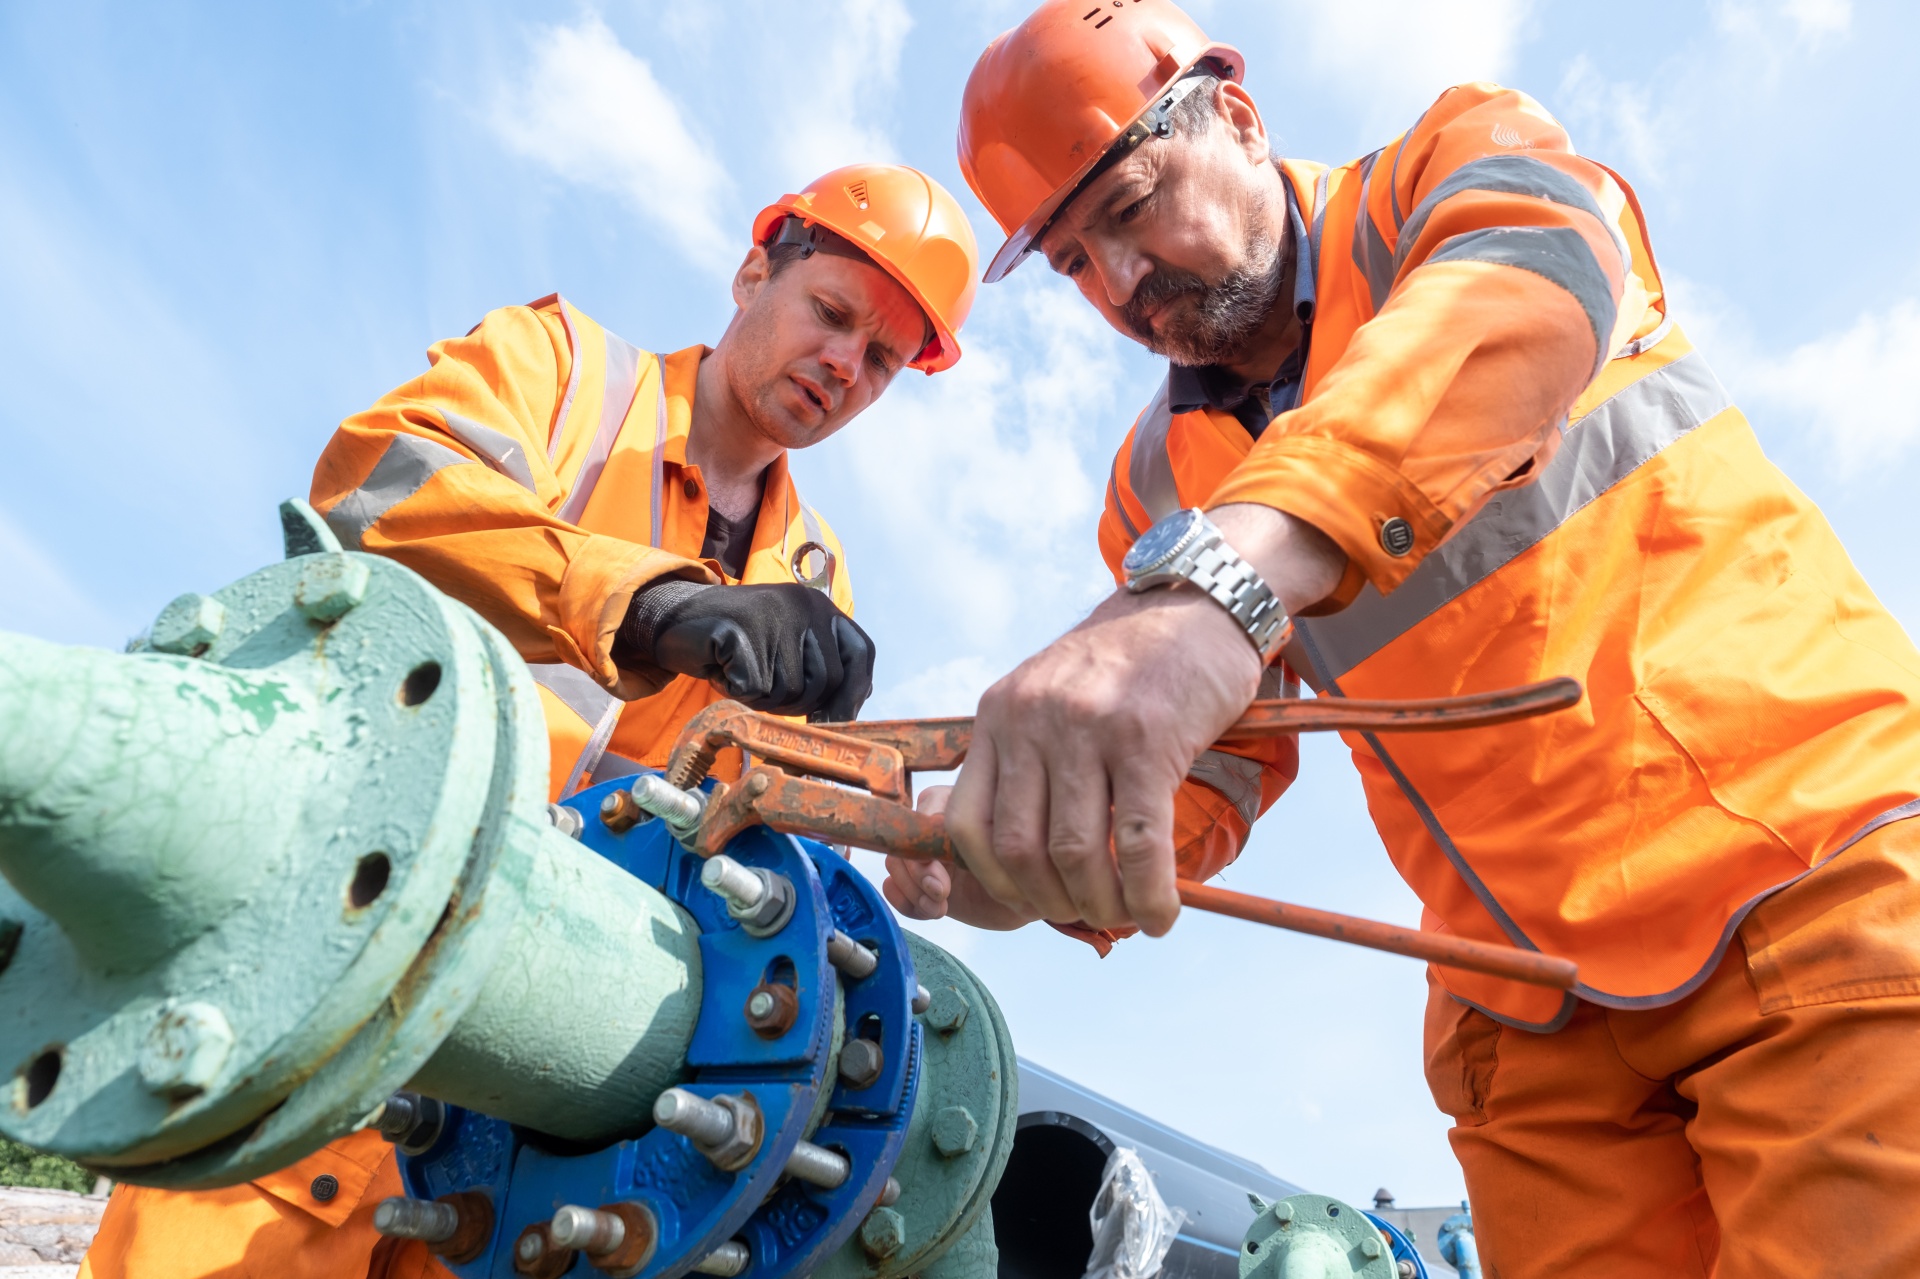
x=1187 y=547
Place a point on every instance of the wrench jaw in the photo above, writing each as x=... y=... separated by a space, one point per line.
x=876 y=767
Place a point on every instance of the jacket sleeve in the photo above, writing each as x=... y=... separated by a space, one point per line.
x=449 y=475
x=1500 y=278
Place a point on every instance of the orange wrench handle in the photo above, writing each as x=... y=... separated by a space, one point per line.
x=934 y=745
x=798 y=806
x=1529 y=966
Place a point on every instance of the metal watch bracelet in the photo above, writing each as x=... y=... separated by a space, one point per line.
x=1186 y=546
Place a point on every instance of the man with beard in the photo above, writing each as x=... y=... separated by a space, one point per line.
x=1435 y=409
x=629 y=522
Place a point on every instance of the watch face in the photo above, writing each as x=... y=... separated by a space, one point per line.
x=1160 y=542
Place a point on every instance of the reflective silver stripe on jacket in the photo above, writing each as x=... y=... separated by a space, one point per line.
x=408 y=462
x=1235 y=776
x=1150 y=470
x=498 y=451
x=623 y=378
x=1370 y=252
x=576 y=688
x=573 y=381
x=590 y=702
x=1600 y=450
x=659 y=450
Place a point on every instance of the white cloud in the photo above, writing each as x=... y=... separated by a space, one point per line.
x=987 y=479
x=1857 y=390
x=1818 y=19
x=840 y=97
x=39 y=597
x=1625 y=113
x=593 y=112
x=1397 y=55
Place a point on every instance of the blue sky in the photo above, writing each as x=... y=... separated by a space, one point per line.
x=224 y=227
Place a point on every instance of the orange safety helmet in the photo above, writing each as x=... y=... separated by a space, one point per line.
x=911 y=228
x=1050 y=98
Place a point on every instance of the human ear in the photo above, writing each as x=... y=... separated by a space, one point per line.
x=1242 y=117
x=755 y=270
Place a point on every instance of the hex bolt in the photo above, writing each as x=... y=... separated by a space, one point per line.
x=922 y=1000
x=861 y=1061
x=771 y=1009
x=1283 y=1213
x=680 y=809
x=761 y=900
x=947 y=1011
x=955 y=1131
x=729 y=1259
x=883 y=1233
x=593 y=1232
x=412 y=1122
x=424 y=1219
x=567 y=821
x=619 y=814
x=330 y=587
x=850 y=957
x=188 y=626
x=724 y=1128
x=1370 y=1248
x=818 y=1166
x=185 y=1049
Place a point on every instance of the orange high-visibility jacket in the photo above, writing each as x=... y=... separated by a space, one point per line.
x=1534 y=474
x=538 y=473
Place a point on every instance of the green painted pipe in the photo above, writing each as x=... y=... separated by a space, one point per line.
x=293 y=854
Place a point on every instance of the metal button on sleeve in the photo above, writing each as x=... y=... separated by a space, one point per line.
x=325 y=1186
x=1396 y=537
x=691 y=487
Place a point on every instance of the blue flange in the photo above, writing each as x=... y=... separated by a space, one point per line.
x=789 y=1226
x=1403 y=1249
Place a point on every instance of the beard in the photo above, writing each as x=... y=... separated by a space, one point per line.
x=1221 y=318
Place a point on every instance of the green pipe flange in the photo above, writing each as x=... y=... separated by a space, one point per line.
x=1314 y=1237
x=961 y=1133
x=377 y=705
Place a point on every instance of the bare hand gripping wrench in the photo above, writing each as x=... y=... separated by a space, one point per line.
x=802 y=779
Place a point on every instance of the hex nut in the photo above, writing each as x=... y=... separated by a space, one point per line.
x=861 y=1061
x=185 y=1049
x=883 y=1233
x=535 y=1256
x=955 y=1131
x=1370 y=1248
x=330 y=587
x=189 y=626
x=619 y=813
x=947 y=1012
x=771 y=1009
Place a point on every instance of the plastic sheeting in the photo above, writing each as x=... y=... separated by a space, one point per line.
x=1132 y=1226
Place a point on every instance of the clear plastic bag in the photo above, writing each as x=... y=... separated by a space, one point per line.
x=1132 y=1226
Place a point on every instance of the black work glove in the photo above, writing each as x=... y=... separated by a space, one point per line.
x=783 y=648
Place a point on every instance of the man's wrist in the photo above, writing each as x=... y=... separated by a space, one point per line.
x=646 y=616
x=1300 y=564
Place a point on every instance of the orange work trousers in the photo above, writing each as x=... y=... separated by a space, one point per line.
x=312 y=1220
x=1766 y=1125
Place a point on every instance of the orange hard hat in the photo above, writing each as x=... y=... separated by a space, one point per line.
x=1050 y=98
x=911 y=228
